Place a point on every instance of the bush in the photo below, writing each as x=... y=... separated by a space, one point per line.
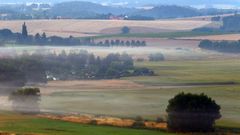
x=125 y=30
x=143 y=72
x=27 y=92
x=139 y=123
x=93 y=122
x=26 y=100
x=192 y=113
x=140 y=60
x=159 y=120
x=156 y=57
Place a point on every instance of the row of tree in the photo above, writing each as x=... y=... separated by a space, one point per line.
x=221 y=46
x=7 y=35
x=132 y=43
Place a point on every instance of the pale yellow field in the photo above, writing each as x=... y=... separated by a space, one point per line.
x=230 y=37
x=81 y=28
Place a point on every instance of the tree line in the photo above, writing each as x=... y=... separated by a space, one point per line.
x=221 y=46
x=131 y=43
x=7 y=36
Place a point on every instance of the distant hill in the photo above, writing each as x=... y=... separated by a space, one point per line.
x=168 y=11
x=78 y=9
x=89 y=10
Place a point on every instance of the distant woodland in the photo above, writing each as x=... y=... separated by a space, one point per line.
x=229 y=24
x=34 y=68
x=221 y=46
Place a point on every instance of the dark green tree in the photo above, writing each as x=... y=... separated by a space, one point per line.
x=37 y=38
x=44 y=37
x=192 y=113
x=24 y=30
x=125 y=30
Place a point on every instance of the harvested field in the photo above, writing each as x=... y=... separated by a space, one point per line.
x=80 y=28
x=135 y=29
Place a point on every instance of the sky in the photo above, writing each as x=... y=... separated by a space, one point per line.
x=196 y=3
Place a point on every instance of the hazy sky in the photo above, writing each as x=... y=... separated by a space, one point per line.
x=223 y=3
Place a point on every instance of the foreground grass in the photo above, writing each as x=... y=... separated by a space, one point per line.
x=15 y=123
x=24 y=124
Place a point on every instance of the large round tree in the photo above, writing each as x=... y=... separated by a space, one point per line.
x=192 y=113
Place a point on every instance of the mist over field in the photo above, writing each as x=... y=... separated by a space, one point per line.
x=95 y=67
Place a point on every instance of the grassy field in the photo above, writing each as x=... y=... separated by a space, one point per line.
x=137 y=96
x=148 y=103
x=21 y=124
x=191 y=72
x=149 y=100
x=217 y=78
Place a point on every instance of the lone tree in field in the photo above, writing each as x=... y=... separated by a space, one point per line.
x=26 y=100
x=125 y=30
x=192 y=113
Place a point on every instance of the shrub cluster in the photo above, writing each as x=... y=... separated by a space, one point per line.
x=221 y=46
